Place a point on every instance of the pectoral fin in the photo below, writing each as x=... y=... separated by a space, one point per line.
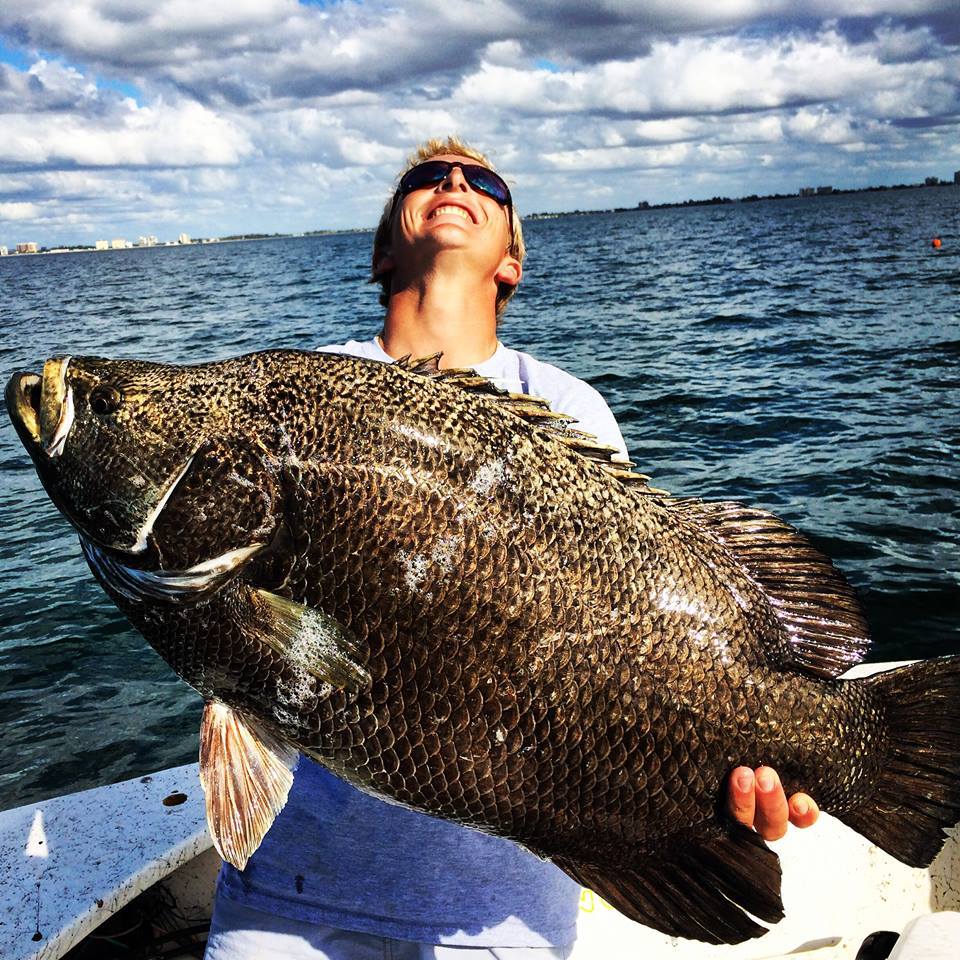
x=246 y=774
x=312 y=641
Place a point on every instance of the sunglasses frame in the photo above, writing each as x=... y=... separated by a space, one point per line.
x=465 y=168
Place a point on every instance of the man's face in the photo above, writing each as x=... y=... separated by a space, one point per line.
x=450 y=216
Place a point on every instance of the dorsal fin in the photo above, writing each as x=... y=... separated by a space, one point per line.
x=820 y=613
x=428 y=366
x=536 y=411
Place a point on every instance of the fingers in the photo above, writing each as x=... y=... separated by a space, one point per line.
x=803 y=810
x=773 y=813
x=756 y=799
x=741 y=796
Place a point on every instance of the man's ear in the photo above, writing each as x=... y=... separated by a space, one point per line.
x=510 y=271
x=383 y=263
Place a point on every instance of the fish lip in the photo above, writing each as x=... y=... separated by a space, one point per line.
x=56 y=407
x=22 y=390
x=24 y=400
x=448 y=202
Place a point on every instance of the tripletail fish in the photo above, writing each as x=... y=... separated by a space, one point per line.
x=456 y=601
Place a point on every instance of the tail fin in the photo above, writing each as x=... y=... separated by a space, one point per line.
x=918 y=793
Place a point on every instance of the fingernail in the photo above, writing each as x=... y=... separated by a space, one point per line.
x=745 y=781
x=801 y=806
x=766 y=781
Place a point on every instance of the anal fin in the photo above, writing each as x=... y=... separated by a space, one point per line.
x=702 y=889
x=246 y=773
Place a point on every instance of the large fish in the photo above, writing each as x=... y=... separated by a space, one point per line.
x=455 y=602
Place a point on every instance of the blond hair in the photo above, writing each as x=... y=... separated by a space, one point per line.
x=381 y=239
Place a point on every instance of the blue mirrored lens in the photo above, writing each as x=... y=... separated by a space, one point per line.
x=486 y=180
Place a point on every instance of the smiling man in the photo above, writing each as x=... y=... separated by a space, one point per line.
x=342 y=874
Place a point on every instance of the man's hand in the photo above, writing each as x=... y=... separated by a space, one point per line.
x=757 y=800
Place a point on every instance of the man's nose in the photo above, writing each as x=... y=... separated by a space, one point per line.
x=455 y=180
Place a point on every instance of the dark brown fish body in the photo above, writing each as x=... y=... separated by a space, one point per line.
x=487 y=624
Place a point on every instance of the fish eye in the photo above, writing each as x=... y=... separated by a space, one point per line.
x=105 y=400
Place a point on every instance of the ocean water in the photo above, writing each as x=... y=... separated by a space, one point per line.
x=799 y=355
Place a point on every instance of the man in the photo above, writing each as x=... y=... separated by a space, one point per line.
x=344 y=875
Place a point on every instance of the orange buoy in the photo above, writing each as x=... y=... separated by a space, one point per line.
x=936 y=243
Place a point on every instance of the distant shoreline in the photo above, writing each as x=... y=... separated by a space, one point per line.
x=816 y=193
x=199 y=242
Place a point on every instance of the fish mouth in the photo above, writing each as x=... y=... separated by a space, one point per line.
x=23 y=397
x=41 y=407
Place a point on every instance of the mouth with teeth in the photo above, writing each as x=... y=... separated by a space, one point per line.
x=452 y=209
x=41 y=407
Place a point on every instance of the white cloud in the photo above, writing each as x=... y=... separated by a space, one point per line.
x=611 y=158
x=667 y=131
x=299 y=116
x=184 y=134
x=702 y=75
x=19 y=211
x=820 y=126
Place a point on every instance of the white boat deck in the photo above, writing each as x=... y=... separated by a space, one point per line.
x=68 y=863
x=837 y=889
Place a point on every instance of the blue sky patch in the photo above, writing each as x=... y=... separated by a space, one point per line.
x=16 y=58
x=24 y=61
x=122 y=87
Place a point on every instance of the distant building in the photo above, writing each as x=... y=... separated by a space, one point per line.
x=807 y=191
x=118 y=244
x=956 y=176
x=824 y=191
x=3 y=251
x=102 y=245
x=183 y=238
x=27 y=248
x=150 y=241
x=931 y=182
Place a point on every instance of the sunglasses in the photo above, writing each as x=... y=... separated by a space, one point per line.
x=432 y=172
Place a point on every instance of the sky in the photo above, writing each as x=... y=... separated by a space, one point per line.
x=121 y=118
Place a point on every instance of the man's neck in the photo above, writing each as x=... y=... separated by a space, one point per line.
x=441 y=315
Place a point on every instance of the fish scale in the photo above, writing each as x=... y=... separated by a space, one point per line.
x=451 y=601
